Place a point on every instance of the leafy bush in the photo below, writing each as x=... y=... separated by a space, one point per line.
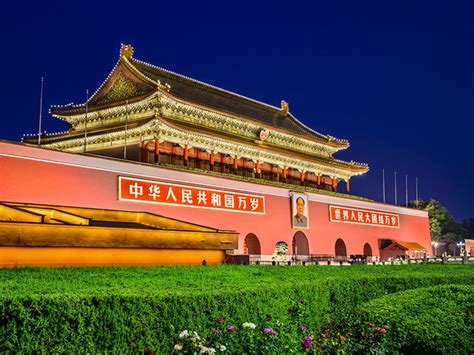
x=130 y=309
x=436 y=319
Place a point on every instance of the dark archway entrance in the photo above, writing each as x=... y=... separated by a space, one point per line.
x=251 y=245
x=341 y=251
x=367 y=249
x=300 y=244
x=368 y=252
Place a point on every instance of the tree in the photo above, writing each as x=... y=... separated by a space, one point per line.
x=443 y=226
x=468 y=228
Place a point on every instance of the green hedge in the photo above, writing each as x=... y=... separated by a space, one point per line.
x=436 y=319
x=130 y=309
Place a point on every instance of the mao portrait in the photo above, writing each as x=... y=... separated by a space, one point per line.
x=300 y=215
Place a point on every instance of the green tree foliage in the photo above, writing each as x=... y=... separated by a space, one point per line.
x=468 y=228
x=443 y=226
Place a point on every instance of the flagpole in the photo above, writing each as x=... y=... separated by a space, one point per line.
x=383 y=184
x=416 y=183
x=85 y=120
x=395 y=174
x=126 y=121
x=40 y=111
x=406 y=190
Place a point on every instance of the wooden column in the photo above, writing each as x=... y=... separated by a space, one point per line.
x=285 y=173
x=145 y=152
x=156 y=158
x=257 y=169
x=211 y=161
x=319 y=180
x=198 y=160
x=334 y=184
x=173 y=154
x=348 y=186
x=140 y=149
x=302 y=177
x=236 y=166
x=185 y=155
x=222 y=162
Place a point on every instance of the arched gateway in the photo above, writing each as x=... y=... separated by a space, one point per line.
x=251 y=245
x=300 y=244
x=341 y=251
x=368 y=252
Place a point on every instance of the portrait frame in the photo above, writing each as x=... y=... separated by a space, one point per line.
x=303 y=221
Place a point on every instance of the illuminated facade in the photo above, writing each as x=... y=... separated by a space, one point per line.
x=163 y=143
x=166 y=118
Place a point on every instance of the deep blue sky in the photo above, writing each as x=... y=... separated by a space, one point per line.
x=396 y=80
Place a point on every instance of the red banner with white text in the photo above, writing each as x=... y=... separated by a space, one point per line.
x=148 y=191
x=366 y=217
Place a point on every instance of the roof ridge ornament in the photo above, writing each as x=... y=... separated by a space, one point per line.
x=126 y=50
x=284 y=107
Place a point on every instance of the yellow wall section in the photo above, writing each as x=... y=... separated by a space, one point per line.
x=75 y=257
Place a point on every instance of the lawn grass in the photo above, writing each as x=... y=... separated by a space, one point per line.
x=182 y=280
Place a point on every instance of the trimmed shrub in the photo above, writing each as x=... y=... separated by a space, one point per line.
x=432 y=320
x=131 y=309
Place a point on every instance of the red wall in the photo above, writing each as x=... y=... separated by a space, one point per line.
x=29 y=174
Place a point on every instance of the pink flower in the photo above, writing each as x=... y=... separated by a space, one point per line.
x=270 y=331
x=371 y=325
x=306 y=342
x=217 y=331
x=383 y=330
x=378 y=329
x=343 y=338
x=385 y=327
x=302 y=328
x=220 y=320
x=230 y=328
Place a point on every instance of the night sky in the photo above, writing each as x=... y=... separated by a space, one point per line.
x=396 y=80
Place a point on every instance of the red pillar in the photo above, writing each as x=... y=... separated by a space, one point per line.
x=319 y=180
x=236 y=166
x=157 y=151
x=302 y=177
x=185 y=155
x=348 y=186
x=222 y=162
x=211 y=161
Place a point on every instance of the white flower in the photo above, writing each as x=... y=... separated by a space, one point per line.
x=196 y=336
x=184 y=334
x=222 y=348
x=178 y=347
x=249 y=325
x=206 y=350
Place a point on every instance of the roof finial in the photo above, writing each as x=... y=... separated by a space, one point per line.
x=126 y=50
x=284 y=107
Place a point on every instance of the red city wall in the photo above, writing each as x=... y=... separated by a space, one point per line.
x=34 y=175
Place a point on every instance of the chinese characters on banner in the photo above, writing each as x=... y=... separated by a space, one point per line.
x=148 y=191
x=371 y=218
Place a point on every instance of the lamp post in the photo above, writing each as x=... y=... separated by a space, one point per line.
x=460 y=245
x=434 y=245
